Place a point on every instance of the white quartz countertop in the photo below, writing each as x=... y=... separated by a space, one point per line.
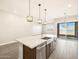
x=32 y=41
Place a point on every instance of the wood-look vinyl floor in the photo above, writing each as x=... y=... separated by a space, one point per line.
x=9 y=51
x=65 y=49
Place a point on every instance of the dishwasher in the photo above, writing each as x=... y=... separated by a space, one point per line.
x=41 y=51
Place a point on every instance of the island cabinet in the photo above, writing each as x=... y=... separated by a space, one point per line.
x=49 y=49
x=29 y=53
x=32 y=47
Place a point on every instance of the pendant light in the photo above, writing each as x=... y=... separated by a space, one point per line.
x=45 y=16
x=29 y=18
x=65 y=14
x=44 y=28
x=39 y=20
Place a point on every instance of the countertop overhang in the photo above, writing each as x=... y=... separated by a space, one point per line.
x=32 y=41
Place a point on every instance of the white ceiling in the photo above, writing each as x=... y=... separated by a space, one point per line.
x=55 y=8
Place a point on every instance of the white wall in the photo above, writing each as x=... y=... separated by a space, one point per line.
x=12 y=27
x=36 y=29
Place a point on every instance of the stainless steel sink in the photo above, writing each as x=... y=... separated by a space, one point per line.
x=46 y=38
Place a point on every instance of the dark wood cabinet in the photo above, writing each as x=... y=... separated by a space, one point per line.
x=49 y=49
x=29 y=53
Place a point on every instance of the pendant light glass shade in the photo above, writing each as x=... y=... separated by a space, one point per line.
x=29 y=18
x=39 y=21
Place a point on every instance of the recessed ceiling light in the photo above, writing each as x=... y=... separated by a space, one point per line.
x=69 y=6
x=14 y=11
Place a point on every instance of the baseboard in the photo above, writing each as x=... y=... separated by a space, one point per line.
x=8 y=43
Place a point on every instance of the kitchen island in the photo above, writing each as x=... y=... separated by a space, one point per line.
x=29 y=46
x=35 y=47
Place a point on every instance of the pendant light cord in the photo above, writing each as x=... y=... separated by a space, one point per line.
x=29 y=7
x=39 y=10
x=45 y=14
